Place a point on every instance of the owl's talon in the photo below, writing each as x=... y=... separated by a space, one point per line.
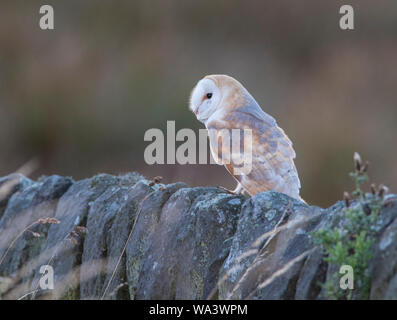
x=227 y=190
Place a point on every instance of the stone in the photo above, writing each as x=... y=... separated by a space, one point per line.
x=127 y=237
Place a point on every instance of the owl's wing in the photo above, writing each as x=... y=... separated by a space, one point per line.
x=273 y=166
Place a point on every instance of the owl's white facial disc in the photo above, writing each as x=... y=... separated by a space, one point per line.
x=205 y=99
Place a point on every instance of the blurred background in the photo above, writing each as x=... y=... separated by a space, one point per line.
x=79 y=98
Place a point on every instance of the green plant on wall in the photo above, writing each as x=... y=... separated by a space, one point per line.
x=350 y=241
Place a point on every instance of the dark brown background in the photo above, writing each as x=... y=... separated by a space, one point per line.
x=79 y=98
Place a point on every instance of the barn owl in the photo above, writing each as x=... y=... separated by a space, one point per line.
x=220 y=102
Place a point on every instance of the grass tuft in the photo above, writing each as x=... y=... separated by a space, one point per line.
x=350 y=242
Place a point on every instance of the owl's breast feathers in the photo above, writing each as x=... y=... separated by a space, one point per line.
x=273 y=166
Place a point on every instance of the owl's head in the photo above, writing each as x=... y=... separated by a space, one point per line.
x=214 y=93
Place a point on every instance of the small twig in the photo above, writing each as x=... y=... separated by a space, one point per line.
x=255 y=248
x=13 y=241
x=124 y=248
x=27 y=294
x=49 y=263
x=279 y=272
x=117 y=289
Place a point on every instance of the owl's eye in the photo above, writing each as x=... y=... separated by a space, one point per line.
x=209 y=95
